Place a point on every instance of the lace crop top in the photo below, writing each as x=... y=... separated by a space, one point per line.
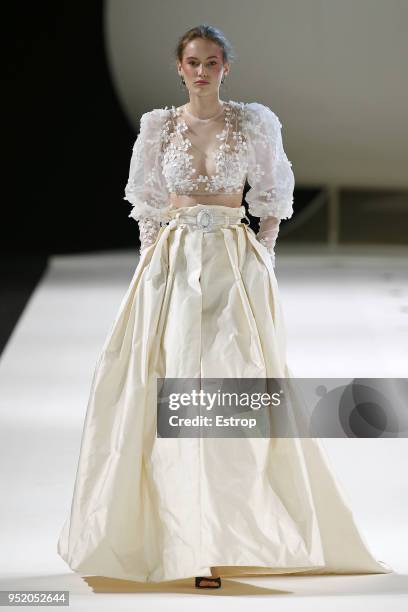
x=178 y=153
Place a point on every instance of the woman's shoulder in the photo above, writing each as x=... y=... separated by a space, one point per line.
x=257 y=112
x=152 y=124
x=260 y=123
x=155 y=117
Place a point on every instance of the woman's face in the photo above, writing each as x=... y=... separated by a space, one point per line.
x=202 y=61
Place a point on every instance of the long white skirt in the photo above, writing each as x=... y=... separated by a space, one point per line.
x=200 y=304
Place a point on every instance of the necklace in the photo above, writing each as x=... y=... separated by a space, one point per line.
x=205 y=120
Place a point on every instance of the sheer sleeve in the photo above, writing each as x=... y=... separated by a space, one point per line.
x=270 y=174
x=146 y=188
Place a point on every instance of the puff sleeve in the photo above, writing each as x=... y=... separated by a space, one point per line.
x=270 y=174
x=146 y=188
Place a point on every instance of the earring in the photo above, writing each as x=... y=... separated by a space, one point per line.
x=182 y=80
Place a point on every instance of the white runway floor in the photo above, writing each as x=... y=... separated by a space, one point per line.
x=346 y=316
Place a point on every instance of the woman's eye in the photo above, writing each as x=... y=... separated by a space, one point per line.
x=194 y=63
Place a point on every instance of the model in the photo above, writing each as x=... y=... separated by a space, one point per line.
x=203 y=303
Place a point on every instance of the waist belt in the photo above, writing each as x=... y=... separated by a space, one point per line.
x=206 y=219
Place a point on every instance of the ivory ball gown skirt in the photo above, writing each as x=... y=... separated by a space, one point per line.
x=200 y=304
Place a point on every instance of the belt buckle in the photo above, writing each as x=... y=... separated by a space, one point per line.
x=205 y=219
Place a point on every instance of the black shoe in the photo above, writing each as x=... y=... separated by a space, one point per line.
x=216 y=585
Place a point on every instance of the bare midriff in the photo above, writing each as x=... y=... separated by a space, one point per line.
x=181 y=201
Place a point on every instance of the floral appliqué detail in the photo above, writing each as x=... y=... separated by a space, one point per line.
x=230 y=157
x=250 y=148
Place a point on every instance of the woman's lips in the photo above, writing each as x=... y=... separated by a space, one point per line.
x=201 y=82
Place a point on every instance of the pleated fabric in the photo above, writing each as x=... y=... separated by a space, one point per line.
x=200 y=304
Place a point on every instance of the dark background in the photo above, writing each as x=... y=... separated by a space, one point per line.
x=71 y=159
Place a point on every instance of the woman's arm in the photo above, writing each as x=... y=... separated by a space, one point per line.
x=270 y=174
x=145 y=187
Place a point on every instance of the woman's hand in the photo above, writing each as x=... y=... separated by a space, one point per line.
x=267 y=235
x=148 y=230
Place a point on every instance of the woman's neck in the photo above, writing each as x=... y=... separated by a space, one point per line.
x=204 y=107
